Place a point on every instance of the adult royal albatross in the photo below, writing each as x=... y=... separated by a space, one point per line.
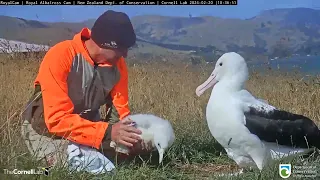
x=251 y=131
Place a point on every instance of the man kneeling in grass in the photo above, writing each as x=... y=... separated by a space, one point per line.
x=75 y=79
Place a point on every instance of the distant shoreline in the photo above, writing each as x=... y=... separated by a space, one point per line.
x=304 y=64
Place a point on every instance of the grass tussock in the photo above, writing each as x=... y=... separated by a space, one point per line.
x=169 y=92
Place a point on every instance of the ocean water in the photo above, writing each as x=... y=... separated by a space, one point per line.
x=309 y=65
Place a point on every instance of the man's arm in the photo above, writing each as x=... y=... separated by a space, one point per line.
x=58 y=107
x=119 y=93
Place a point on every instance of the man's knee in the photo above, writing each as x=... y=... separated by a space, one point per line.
x=50 y=151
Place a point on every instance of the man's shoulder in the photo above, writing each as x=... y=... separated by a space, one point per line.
x=66 y=49
x=62 y=46
x=62 y=52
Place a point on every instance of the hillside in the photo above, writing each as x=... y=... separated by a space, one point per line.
x=278 y=32
x=279 y=27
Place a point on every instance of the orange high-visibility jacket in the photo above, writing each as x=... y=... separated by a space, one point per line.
x=71 y=84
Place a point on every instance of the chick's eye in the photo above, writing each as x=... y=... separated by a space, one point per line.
x=220 y=64
x=159 y=144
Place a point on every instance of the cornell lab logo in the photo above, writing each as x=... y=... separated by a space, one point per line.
x=39 y=171
x=284 y=170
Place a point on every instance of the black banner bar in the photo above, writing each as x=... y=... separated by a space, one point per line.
x=119 y=2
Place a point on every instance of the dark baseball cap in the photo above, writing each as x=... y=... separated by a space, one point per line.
x=113 y=30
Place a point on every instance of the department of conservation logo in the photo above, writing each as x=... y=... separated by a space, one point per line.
x=284 y=170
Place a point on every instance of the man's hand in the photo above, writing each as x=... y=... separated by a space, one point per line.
x=124 y=134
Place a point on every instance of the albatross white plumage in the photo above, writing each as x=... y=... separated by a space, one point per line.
x=251 y=131
x=155 y=131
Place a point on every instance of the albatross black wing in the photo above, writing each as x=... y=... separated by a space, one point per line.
x=283 y=127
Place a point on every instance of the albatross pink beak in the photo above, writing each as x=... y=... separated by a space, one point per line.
x=210 y=82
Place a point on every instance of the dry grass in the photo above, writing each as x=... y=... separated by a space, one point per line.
x=167 y=91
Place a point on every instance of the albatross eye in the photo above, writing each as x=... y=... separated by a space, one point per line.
x=220 y=64
x=159 y=144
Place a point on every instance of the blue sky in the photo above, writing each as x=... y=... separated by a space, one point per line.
x=244 y=9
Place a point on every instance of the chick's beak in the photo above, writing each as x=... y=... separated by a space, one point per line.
x=161 y=152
